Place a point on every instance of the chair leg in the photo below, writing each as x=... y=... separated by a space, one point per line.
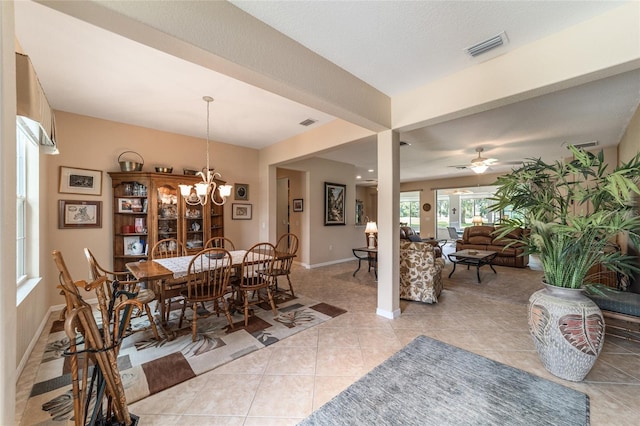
x=225 y=306
x=290 y=286
x=273 y=304
x=194 y=323
x=167 y=310
x=184 y=306
x=152 y=322
x=246 y=309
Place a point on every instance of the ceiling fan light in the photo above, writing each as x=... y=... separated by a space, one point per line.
x=479 y=168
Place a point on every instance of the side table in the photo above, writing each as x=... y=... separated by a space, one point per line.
x=370 y=255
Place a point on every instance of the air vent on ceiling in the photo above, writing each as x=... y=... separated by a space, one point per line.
x=308 y=122
x=585 y=145
x=488 y=44
x=403 y=143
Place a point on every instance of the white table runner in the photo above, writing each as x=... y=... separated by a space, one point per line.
x=180 y=265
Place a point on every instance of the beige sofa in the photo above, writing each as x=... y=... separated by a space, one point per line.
x=483 y=238
x=420 y=272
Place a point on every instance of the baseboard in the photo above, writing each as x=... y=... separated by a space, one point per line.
x=333 y=262
x=34 y=339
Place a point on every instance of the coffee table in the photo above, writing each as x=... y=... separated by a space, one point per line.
x=475 y=258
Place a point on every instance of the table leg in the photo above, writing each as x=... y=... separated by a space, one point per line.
x=478 y=272
x=454 y=268
x=354 y=272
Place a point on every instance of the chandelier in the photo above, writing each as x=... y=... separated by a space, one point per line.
x=206 y=188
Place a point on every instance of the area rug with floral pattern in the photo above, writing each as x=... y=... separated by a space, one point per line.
x=148 y=366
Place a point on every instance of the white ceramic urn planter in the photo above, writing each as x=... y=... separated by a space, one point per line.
x=567 y=329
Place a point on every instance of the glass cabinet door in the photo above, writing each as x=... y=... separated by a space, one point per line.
x=194 y=227
x=167 y=212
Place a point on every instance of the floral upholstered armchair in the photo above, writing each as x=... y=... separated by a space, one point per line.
x=420 y=272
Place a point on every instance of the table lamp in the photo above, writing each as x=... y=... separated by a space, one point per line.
x=476 y=220
x=371 y=230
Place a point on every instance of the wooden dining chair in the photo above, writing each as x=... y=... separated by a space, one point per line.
x=286 y=249
x=257 y=277
x=169 y=247
x=207 y=281
x=220 y=242
x=123 y=282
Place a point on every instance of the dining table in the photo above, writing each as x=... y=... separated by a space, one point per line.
x=156 y=271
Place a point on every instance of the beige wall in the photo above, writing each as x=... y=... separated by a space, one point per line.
x=630 y=143
x=90 y=143
x=327 y=244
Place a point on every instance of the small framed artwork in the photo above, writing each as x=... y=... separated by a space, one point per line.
x=297 y=204
x=242 y=191
x=130 y=205
x=133 y=246
x=80 y=181
x=334 y=204
x=79 y=214
x=240 y=211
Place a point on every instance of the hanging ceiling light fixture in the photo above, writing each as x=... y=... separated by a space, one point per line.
x=479 y=165
x=206 y=188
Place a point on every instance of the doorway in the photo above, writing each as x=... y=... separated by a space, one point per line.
x=283 y=208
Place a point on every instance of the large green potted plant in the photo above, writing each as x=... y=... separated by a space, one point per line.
x=573 y=211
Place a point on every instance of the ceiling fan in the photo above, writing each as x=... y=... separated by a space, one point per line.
x=479 y=164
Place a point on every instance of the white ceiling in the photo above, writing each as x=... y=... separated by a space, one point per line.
x=394 y=46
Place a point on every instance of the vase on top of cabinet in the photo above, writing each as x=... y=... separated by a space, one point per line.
x=148 y=207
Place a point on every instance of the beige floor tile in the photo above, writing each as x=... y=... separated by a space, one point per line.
x=307 y=338
x=271 y=421
x=339 y=362
x=283 y=396
x=376 y=337
x=158 y=420
x=338 y=337
x=210 y=420
x=328 y=387
x=225 y=395
x=292 y=360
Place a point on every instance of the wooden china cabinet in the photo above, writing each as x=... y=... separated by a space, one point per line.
x=148 y=207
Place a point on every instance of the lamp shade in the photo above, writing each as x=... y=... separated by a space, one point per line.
x=371 y=228
x=477 y=220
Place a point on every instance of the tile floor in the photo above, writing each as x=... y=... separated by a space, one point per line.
x=285 y=382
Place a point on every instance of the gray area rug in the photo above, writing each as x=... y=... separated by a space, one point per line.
x=432 y=383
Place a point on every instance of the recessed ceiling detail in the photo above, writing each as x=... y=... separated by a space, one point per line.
x=308 y=122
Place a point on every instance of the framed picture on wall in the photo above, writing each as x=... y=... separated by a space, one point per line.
x=79 y=214
x=297 y=204
x=241 y=191
x=240 y=211
x=334 y=204
x=80 y=181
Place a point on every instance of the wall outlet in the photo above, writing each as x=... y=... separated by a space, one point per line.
x=330 y=247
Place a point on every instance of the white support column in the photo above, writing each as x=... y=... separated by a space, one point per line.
x=388 y=220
